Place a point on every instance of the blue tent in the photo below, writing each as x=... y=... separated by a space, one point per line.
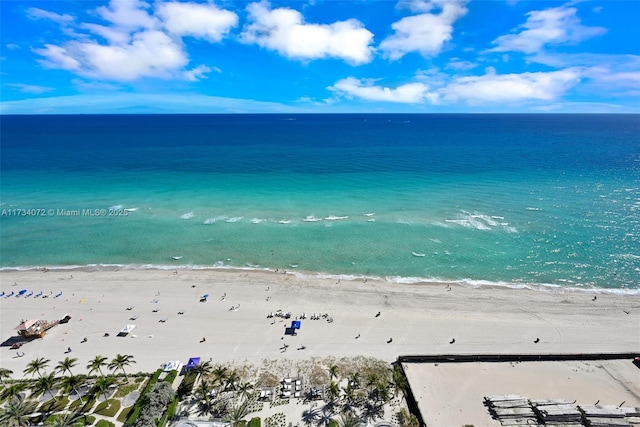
x=192 y=363
x=295 y=324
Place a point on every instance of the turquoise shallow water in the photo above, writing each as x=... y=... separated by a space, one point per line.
x=508 y=199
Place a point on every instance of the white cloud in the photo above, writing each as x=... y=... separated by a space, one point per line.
x=491 y=87
x=410 y=93
x=135 y=43
x=458 y=64
x=425 y=33
x=198 y=20
x=558 y=25
x=151 y=53
x=35 y=13
x=197 y=73
x=284 y=31
x=57 y=57
x=110 y=34
x=24 y=88
x=130 y=14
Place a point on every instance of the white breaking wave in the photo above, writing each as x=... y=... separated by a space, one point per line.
x=215 y=219
x=480 y=221
x=545 y=287
x=188 y=215
x=335 y=218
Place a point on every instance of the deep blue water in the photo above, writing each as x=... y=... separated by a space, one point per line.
x=520 y=199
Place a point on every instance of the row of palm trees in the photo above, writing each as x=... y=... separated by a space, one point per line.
x=17 y=410
x=36 y=366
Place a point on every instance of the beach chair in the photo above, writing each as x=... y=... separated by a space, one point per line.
x=59 y=294
x=39 y=294
x=2 y=294
x=29 y=294
x=133 y=317
x=164 y=319
x=131 y=307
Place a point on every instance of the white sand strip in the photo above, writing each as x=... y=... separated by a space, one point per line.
x=421 y=318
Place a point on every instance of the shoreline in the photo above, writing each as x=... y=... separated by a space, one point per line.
x=372 y=319
x=302 y=274
x=420 y=319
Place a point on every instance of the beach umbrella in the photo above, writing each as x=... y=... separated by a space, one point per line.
x=205 y=296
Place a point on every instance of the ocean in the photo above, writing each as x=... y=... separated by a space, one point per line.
x=516 y=200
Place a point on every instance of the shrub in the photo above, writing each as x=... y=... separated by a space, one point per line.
x=105 y=423
x=333 y=423
x=135 y=412
x=154 y=403
x=255 y=422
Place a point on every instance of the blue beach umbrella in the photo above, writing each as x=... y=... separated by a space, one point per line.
x=205 y=296
x=22 y=292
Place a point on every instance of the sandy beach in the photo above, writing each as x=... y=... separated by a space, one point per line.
x=420 y=318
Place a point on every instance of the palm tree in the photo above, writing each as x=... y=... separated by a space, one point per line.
x=96 y=365
x=202 y=369
x=204 y=389
x=65 y=420
x=348 y=419
x=13 y=391
x=333 y=372
x=232 y=380
x=354 y=379
x=245 y=390
x=36 y=365
x=237 y=413
x=102 y=385
x=45 y=384
x=333 y=392
x=66 y=365
x=120 y=361
x=17 y=413
x=4 y=374
x=72 y=382
x=220 y=374
x=349 y=397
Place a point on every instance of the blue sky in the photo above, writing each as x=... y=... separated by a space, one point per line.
x=422 y=56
